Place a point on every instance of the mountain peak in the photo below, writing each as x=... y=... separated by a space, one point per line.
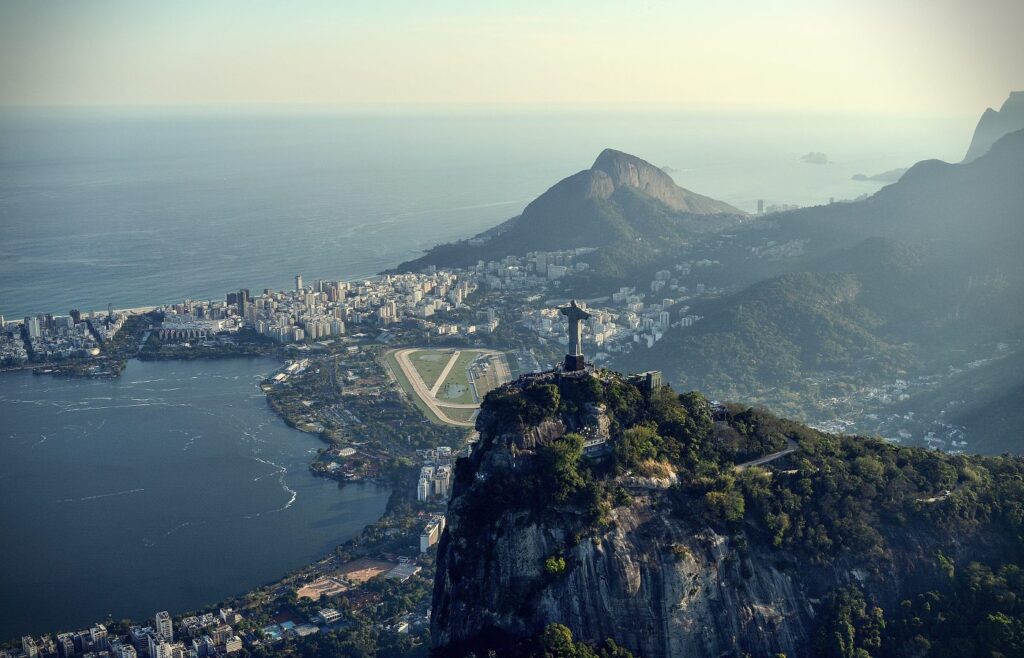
x=620 y=199
x=627 y=170
x=611 y=157
x=996 y=123
x=1015 y=98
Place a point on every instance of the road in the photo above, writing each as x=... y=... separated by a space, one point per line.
x=444 y=373
x=946 y=493
x=790 y=448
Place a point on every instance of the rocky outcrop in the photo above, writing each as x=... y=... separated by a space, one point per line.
x=652 y=583
x=624 y=170
x=659 y=582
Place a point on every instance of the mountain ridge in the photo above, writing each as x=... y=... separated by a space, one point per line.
x=993 y=124
x=619 y=198
x=933 y=263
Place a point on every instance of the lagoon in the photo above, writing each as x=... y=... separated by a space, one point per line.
x=170 y=488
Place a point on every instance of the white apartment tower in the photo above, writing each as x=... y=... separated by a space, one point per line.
x=163 y=625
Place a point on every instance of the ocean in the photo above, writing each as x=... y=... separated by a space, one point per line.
x=136 y=208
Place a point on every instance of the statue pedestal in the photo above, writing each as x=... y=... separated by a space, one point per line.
x=574 y=363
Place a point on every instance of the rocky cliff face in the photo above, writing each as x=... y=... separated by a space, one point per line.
x=624 y=170
x=657 y=581
x=657 y=586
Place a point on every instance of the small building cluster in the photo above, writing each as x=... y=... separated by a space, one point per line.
x=48 y=337
x=106 y=327
x=206 y=636
x=12 y=347
x=535 y=271
x=435 y=479
x=629 y=317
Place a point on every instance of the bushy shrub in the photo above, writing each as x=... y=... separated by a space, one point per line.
x=554 y=565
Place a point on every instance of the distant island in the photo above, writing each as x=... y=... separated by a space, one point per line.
x=815 y=157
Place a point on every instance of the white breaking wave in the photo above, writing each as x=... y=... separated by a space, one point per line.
x=98 y=496
x=281 y=472
x=129 y=406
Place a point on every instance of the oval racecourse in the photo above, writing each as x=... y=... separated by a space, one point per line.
x=448 y=384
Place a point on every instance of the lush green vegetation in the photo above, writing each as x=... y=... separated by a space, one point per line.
x=554 y=565
x=513 y=408
x=649 y=433
x=850 y=627
x=979 y=613
x=832 y=500
x=557 y=642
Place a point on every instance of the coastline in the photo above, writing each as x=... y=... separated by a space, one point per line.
x=245 y=431
x=395 y=474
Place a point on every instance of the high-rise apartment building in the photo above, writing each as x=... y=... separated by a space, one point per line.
x=163 y=625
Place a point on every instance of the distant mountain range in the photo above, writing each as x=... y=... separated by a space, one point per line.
x=994 y=124
x=925 y=272
x=894 y=285
x=621 y=198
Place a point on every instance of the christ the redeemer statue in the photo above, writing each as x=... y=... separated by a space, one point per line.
x=574 y=358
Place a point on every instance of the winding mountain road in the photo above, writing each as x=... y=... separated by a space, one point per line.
x=791 y=447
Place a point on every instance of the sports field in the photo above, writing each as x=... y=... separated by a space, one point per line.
x=449 y=384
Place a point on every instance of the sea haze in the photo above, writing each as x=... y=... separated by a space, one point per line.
x=170 y=488
x=140 y=208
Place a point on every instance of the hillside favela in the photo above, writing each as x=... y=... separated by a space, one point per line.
x=511 y=329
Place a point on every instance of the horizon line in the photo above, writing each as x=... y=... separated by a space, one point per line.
x=363 y=108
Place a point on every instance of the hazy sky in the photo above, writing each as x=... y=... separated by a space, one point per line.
x=853 y=56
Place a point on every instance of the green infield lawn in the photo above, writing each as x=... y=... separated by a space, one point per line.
x=430 y=363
